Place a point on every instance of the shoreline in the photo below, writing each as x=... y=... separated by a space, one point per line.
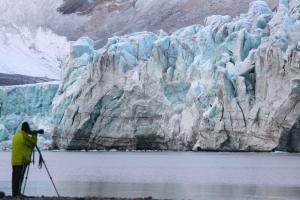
x=159 y=151
x=77 y=198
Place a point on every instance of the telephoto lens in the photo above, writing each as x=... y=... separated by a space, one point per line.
x=40 y=131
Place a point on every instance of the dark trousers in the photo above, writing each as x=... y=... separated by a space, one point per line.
x=18 y=172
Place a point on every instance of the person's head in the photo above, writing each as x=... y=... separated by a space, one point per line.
x=26 y=127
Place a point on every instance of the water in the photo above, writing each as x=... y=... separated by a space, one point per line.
x=164 y=175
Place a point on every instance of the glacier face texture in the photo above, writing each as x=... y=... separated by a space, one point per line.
x=30 y=103
x=231 y=85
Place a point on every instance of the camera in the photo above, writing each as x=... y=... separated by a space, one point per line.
x=40 y=131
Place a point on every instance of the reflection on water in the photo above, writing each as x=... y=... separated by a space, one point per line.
x=164 y=175
x=163 y=191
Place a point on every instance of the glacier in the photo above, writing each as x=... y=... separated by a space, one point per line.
x=32 y=103
x=232 y=84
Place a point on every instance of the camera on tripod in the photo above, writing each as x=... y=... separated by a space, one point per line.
x=40 y=131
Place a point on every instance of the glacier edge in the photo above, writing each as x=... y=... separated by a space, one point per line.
x=231 y=85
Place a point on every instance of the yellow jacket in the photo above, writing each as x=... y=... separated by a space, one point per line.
x=22 y=146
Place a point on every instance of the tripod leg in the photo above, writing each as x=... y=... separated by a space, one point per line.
x=26 y=178
x=43 y=161
x=51 y=179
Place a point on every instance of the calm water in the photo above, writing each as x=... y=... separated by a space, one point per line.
x=164 y=175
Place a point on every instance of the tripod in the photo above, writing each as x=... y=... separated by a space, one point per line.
x=41 y=162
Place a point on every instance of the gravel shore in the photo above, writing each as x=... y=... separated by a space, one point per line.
x=78 y=198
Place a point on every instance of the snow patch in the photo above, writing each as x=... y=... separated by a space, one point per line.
x=38 y=53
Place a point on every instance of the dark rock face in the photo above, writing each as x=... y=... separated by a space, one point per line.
x=16 y=79
x=74 y=6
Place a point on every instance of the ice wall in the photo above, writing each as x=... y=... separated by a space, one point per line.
x=230 y=85
x=30 y=103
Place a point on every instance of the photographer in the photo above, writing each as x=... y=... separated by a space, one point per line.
x=23 y=144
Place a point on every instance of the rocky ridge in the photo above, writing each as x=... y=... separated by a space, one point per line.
x=119 y=17
x=231 y=85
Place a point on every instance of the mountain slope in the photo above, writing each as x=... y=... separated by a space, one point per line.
x=28 y=44
x=32 y=52
x=119 y=17
x=34 y=36
x=17 y=79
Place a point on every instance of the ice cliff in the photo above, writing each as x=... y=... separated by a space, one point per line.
x=232 y=84
x=30 y=103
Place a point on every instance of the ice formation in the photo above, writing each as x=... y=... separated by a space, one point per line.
x=30 y=103
x=233 y=84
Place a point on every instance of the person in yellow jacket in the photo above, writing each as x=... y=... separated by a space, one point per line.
x=23 y=144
